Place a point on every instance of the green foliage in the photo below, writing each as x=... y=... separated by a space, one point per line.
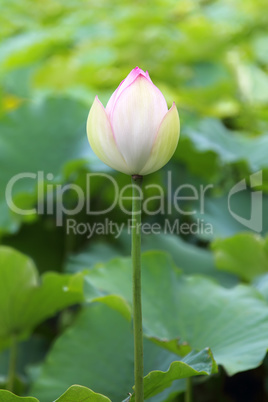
x=210 y=57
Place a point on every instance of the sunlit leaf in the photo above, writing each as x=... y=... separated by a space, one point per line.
x=7 y=396
x=76 y=393
x=244 y=254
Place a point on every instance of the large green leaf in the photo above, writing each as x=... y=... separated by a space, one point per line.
x=232 y=322
x=25 y=300
x=244 y=254
x=98 y=352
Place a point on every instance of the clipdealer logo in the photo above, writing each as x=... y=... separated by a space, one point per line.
x=186 y=200
x=50 y=196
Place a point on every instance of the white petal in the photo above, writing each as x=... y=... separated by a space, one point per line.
x=101 y=139
x=165 y=143
x=135 y=120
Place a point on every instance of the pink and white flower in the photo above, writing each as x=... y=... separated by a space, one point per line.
x=136 y=133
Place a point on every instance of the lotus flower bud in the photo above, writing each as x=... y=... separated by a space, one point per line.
x=136 y=133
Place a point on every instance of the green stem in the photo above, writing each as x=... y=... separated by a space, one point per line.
x=136 y=283
x=188 y=392
x=12 y=364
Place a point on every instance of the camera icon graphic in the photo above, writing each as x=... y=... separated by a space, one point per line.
x=254 y=222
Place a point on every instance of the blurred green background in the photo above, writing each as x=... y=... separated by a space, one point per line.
x=211 y=58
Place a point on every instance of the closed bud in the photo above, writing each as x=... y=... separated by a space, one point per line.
x=136 y=133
